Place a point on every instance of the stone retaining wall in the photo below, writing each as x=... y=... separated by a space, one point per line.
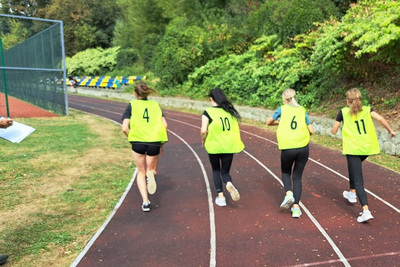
x=321 y=125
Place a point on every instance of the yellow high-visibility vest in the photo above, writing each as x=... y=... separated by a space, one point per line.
x=146 y=122
x=358 y=133
x=292 y=129
x=223 y=135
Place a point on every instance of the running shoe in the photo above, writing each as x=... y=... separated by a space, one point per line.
x=287 y=202
x=151 y=182
x=220 y=201
x=296 y=212
x=233 y=191
x=146 y=206
x=365 y=216
x=350 y=196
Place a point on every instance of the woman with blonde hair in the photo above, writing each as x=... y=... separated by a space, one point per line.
x=293 y=134
x=359 y=141
x=144 y=124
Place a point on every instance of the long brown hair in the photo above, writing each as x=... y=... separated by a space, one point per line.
x=143 y=90
x=353 y=97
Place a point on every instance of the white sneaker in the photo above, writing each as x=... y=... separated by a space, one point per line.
x=233 y=191
x=287 y=202
x=350 y=196
x=365 y=216
x=220 y=201
x=151 y=182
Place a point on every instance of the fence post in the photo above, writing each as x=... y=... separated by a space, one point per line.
x=4 y=77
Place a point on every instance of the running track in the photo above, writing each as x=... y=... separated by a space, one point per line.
x=186 y=228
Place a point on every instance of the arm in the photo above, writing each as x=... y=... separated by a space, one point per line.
x=271 y=121
x=204 y=129
x=125 y=126
x=384 y=122
x=335 y=127
x=310 y=129
x=164 y=121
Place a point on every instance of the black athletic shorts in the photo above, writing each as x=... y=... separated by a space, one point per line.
x=151 y=149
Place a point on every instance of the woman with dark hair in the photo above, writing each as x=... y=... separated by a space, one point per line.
x=145 y=126
x=220 y=136
x=359 y=141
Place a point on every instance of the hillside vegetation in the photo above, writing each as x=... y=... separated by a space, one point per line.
x=251 y=49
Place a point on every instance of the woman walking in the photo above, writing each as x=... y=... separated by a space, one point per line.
x=293 y=134
x=359 y=141
x=221 y=138
x=146 y=128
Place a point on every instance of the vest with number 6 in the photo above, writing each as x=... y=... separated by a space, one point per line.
x=223 y=135
x=292 y=129
x=358 y=133
x=146 y=122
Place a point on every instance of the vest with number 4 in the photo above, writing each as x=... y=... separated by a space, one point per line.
x=223 y=135
x=146 y=122
x=358 y=133
x=292 y=129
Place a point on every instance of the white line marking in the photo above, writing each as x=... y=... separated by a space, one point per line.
x=312 y=218
x=97 y=234
x=210 y=203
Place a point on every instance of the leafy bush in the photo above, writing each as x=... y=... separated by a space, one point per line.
x=93 y=61
x=126 y=57
x=178 y=53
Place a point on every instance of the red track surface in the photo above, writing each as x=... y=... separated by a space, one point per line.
x=21 y=109
x=179 y=230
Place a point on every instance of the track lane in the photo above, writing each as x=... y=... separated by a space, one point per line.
x=253 y=226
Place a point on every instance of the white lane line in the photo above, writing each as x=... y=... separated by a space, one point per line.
x=369 y=192
x=97 y=234
x=335 y=172
x=312 y=218
x=210 y=203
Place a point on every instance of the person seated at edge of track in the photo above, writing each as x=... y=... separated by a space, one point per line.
x=293 y=135
x=144 y=124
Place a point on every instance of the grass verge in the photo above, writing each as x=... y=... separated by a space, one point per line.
x=58 y=186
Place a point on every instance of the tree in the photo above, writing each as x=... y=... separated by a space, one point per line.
x=23 y=7
x=87 y=23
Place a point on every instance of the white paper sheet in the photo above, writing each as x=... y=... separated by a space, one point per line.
x=17 y=132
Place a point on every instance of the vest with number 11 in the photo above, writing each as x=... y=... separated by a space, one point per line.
x=146 y=122
x=223 y=135
x=358 y=133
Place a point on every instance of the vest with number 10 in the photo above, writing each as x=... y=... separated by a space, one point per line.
x=292 y=130
x=146 y=122
x=358 y=133
x=223 y=135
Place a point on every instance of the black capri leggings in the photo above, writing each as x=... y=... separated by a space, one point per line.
x=356 y=179
x=221 y=165
x=299 y=158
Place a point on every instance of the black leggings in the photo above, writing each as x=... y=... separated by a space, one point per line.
x=221 y=165
x=299 y=158
x=354 y=165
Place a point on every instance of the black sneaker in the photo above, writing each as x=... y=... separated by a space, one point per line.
x=146 y=206
x=3 y=258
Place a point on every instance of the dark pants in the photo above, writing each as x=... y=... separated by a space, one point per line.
x=221 y=165
x=299 y=158
x=354 y=165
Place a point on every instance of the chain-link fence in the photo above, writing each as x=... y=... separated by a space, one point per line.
x=33 y=62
